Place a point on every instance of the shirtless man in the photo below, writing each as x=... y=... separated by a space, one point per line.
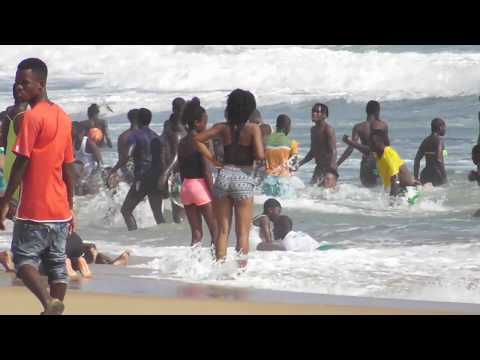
x=165 y=161
x=256 y=118
x=122 y=148
x=323 y=144
x=178 y=105
x=361 y=131
x=432 y=148
x=95 y=122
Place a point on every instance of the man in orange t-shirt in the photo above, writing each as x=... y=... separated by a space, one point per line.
x=44 y=166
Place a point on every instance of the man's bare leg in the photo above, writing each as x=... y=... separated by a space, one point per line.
x=31 y=278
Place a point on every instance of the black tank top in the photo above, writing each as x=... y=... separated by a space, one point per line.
x=191 y=167
x=236 y=154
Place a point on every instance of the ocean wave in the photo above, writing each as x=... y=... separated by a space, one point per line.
x=126 y=76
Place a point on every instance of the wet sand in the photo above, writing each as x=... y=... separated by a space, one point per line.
x=111 y=292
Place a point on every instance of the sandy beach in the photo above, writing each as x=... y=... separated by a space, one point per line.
x=112 y=293
x=18 y=301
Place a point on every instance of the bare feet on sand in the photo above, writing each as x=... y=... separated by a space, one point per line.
x=7 y=261
x=122 y=260
x=83 y=268
x=72 y=274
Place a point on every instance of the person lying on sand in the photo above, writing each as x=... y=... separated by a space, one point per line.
x=80 y=254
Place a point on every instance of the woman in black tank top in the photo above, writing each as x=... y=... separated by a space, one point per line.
x=234 y=185
x=195 y=174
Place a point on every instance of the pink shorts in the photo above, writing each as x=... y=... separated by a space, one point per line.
x=195 y=192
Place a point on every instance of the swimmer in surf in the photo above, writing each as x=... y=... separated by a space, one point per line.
x=433 y=149
x=323 y=145
x=361 y=132
x=95 y=122
x=122 y=149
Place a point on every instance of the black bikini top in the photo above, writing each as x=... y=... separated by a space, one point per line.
x=235 y=153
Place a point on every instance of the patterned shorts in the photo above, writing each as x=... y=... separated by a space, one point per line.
x=236 y=183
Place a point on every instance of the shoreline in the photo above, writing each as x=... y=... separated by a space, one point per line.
x=112 y=293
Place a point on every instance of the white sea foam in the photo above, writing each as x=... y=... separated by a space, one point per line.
x=400 y=272
x=127 y=76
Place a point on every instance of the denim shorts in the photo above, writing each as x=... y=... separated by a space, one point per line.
x=236 y=183
x=35 y=243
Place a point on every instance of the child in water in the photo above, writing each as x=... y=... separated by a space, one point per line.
x=285 y=239
x=262 y=224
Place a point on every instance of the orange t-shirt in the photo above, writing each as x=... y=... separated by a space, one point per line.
x=45 y=138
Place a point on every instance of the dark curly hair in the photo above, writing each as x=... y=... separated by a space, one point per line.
x=240 y=105
x=192 y=112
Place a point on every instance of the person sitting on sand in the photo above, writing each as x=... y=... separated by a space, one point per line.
x=280 y=157
x=288 y=240
x=433 y=150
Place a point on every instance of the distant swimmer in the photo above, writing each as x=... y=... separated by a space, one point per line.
x=361 y=131
x=178 y=104
x=196 y=175
x=88 y=161
x=256 y=118
x=280 y=157
x=95 y=122
x=474 y=175
x=288 y=240
x=433 y=149
x=139 y=148
x=323 y=144
x=122 y=149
